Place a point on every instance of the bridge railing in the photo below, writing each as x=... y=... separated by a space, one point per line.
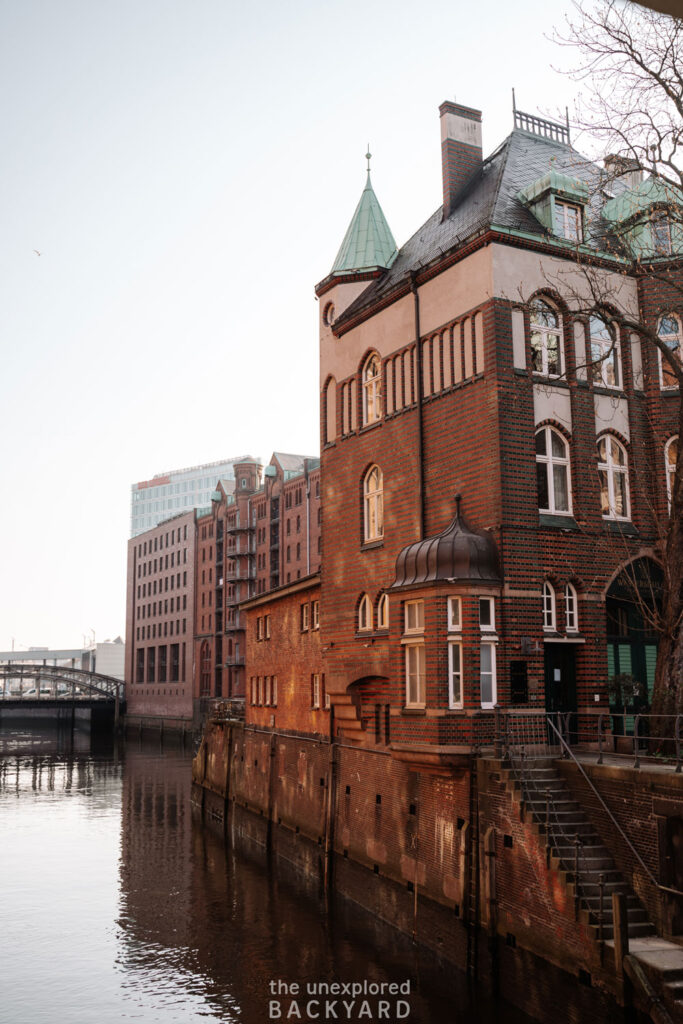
x=36 y=681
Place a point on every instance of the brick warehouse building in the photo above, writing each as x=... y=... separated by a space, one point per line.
x=559 y=444
x=257 y=538
x=160 y=621
x=262 y=531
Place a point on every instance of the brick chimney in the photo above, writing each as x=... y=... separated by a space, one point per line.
x=461 y=152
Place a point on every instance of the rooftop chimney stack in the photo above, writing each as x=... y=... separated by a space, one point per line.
x=624 y=167
x=461 y=152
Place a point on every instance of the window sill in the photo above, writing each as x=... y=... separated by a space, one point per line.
x=623 y=527
x=550 y=379
x=370 y=545
x=552 y=520
x=370 y=426
x=605 y=389
x=417 y=710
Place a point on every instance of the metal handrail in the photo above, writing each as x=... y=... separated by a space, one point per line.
x=565 y=746
x=637 y=718
x=556 y=834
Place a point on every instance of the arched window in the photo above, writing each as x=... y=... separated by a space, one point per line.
x=606 y=366
x=373 y=512
x=372 y=389
x=669 y=331
x=383 y=612
x=613 y=476
x=548 y=607
x=571 y=609
x=670 y=460
x=552 y=472
x=546 y=351
x=364 y=613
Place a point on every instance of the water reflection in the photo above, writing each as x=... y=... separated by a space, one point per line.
x=122 y=906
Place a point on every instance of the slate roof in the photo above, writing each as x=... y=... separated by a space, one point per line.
x=292 y=463
x=489 y=199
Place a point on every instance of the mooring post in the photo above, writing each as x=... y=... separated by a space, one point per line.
x=330 y=805
x=620 y=923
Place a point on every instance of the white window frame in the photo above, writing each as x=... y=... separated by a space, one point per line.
x=305 y=613
x=545 y=332
x=670 y=467
x=383 y=612
x=315 y=614
x=454 y=615
x=612 y=469
x=364 y=621
x=315 y=691
x=562 y=206
x=455 y=675
x=415 y=680
x=600 y=363
x=571 y=609
x=550 y=461
x=372 y=389
x=668 y=339
x=494 y=682
x=266 y=627
x=549 y=608
x=373 y=505
x=491 y=627
x=413 y=617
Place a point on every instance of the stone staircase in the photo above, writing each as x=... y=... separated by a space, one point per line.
x=346 y=716
x=548 y=797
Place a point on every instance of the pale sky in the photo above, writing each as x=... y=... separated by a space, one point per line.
x=186 y=170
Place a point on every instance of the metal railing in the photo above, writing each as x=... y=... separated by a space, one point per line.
x=50 y=682
x=528 y=742
x=643 y=738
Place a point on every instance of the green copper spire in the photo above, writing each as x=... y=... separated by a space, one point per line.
x=368 y=244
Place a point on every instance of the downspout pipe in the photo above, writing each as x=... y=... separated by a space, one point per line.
x=420 y=393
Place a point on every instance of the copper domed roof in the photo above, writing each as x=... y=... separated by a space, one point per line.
x=456 y=554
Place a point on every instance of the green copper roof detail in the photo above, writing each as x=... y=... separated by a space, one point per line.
x=368 y=243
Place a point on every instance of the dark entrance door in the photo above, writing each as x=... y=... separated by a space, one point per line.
x=560 y=678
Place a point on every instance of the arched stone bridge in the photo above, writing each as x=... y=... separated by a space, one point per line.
x=38 y=685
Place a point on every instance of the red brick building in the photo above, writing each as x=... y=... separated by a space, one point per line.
x=286 y=682
x=467 y=364
x=160 y=624
x=262 y=535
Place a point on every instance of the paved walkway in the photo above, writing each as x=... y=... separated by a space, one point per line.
x=650 y=764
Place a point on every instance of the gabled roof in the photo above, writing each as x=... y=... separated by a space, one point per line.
x=368 y=243
x=491 y=199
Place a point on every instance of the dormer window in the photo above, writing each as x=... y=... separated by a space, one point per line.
x=558 y=201
x=660 y=227
x=568 y=221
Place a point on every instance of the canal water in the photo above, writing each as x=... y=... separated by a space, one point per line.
x=118 y=905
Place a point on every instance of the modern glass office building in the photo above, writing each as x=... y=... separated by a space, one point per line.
x=168 y=494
